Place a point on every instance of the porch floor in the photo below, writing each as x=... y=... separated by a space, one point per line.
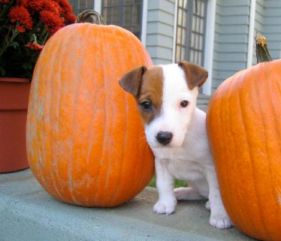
x=28 y=213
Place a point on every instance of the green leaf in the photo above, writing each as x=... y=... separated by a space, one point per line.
x=27 y=66
x=15 y=45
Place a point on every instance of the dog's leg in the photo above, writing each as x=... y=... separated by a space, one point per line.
x=197 y=190
x=166 y=203
x=187 y=193
x=218 y=218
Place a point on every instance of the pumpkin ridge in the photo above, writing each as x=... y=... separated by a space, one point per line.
x=116 y=172
x=73 y=118
x=94 y=148
x=248 y=77
x=108 y=127
x=55 y=106
x=260 y=96
x=244 y=127
x=98 y=181
x=91 y=136
x=49 y=85
x=32 y=130
x=230 y=98
x=50 y=132
x=37 y=150
x=277 y=134
x=91 y=152
x=116 y=196
x=103 y=161
x=81 y=88
x=223 y=110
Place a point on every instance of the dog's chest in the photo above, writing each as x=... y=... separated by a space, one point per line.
x=181 y=165
x=185 y=170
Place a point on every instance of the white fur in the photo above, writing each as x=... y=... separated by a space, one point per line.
x=187 y=157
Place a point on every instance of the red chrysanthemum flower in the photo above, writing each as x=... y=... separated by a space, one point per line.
x=24 y=26
x=51 y=20
x=63 y=3
x=36 y=5
x=22 y=2
x=66 y=11
x=54 y=7
x=20 y=28
x=20 y=15
x=34 y=46
x=65 y=6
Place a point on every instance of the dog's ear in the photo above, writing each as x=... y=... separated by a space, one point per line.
x=131 y=82
x=194 y=74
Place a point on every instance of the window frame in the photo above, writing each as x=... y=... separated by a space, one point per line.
x=122 y=20
x=189 y=19
x=144 y=12
x=77 y=8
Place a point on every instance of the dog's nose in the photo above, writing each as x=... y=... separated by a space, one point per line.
x=164 y=137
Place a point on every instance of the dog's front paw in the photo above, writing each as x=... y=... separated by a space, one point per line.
x=165 y=206
x=220 y=221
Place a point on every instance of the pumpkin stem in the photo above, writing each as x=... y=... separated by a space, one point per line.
x=261 y=49
x=90 y=16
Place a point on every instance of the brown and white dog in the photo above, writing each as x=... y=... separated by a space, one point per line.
x=175 y=130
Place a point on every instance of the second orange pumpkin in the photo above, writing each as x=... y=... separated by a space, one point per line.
x=244 y=127
x=85 y=139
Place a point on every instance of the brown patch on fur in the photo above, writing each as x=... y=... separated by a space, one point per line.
x=132 y=81
x=151 y=90
x=195 y=75
x=145 y=85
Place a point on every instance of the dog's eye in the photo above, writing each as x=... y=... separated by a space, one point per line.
x=146 y=105
x=184 y=103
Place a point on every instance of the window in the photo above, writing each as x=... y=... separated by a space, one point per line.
x=125 y=13
x=80 y=5
x=190 y=34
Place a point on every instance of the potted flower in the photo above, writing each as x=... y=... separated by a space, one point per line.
x=25 y=26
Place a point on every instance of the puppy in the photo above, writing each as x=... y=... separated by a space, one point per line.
x=175 y=130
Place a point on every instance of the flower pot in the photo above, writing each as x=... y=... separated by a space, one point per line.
x=13 y=109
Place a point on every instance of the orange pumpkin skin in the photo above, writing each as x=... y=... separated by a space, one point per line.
x=244 y=128
x=85 y=139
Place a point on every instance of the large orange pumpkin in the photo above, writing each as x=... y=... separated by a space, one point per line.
x=244 y=127
x=85 y=139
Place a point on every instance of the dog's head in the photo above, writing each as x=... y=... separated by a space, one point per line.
x=166 y=96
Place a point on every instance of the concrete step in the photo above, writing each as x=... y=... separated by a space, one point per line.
x=28 y=213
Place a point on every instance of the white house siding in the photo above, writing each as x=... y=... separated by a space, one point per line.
x=268 y=22
x=160 y=30
x=231 y=38
x=259 y=24
x=272 y=26
x=259 y=18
